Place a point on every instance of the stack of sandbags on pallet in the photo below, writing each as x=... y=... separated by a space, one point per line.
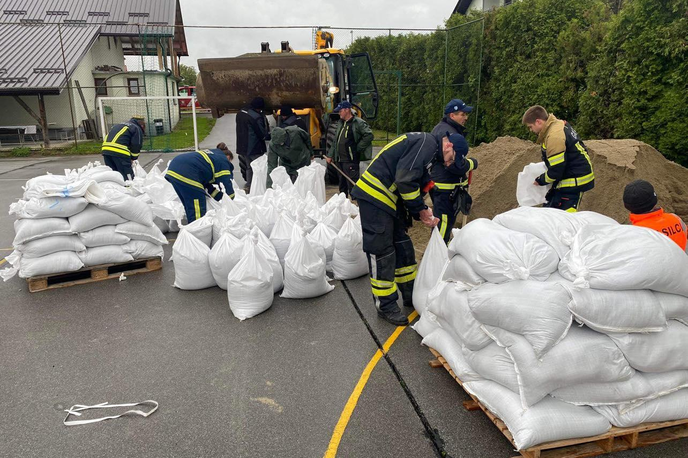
x=83 y=218
x=561 y=324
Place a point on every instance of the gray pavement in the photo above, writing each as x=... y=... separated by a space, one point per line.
x=272 y=386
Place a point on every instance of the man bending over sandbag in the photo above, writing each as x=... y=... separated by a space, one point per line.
x=291 y=148
x=193 y=175
x=387 y=192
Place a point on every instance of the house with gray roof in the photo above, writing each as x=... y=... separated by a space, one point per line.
x=59 y=56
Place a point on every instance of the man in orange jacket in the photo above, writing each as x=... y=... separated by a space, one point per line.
x=641 y=200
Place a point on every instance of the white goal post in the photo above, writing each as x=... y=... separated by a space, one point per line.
x=146 y=106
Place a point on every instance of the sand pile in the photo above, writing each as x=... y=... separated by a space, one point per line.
x=616 y=163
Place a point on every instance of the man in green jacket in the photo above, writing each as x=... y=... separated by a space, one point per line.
x=353 y=143
x=291 y=148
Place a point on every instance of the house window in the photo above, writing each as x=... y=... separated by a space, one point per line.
x=133 y=86
x=101 y=86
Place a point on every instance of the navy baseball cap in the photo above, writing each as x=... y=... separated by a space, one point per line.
x=457 y=105
x=459 y=143
x=344 y=104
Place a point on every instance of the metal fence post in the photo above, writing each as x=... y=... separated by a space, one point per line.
x=69 y=86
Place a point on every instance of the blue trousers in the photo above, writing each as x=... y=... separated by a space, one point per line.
x=120 y=164
x=192 y=198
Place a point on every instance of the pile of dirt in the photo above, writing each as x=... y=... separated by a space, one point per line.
x=615 y=162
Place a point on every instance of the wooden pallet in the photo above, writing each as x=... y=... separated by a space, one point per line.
x=93 y=274
x=614 y=440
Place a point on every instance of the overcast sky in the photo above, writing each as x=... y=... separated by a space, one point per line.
x=350 y=13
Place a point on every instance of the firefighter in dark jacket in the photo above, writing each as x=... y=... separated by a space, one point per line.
x=287 y=118
x=388 y=192
x=291 y=148
x=569 y=168
x=123 y=145
x=193 y=176
x=252 y=132
x=450 y=193
x=353 y=143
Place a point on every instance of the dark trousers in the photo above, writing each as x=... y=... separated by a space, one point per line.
x=245 y=165
x=193 y=200
x=121 y=164
x=391 y=257
x=446 y=210
x=564 y=200
x=353 y=171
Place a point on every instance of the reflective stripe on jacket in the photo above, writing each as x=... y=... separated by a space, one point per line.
x=124 y=139
x=201 y=169
x=399 y=171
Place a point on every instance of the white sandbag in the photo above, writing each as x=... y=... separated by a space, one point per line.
x=662 y=383
x=441 y=341
x=55 y=263
x=49 y=245
x=137 y=231
x=260 y=175
x=536 y=310
x=657 y=351
x=449 y=301
x=349 y=261
x=249 y=283
x=49 y=207
x=304 y=272
x=268 y=250
x=583 y=356
x=434 y=259
x=104 y=255
x=549 y=420
x=618 y=311
x=93 y=217
x=85 y=188
x=264 y=218
x=224 y=256
x=459 y=270
x=305 y=182
x=191 y=266
x=634 y=389
x=318 y=188
x=499 y=254
x=127 y=207
x=673 y=406
x=140 y=249
x=553 y=226
x=527 y=193
x=335 y=219
x=169 y=211
x=675 y=307
x=280 y=178
x=493 y=363
x=324 y=236
x=101 y=176
x=626 y=257
x=202 y=228
x=281 y=235
x=27 y=230
x=426 y=324
x=102 y=236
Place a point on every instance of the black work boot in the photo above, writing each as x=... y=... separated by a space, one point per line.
x=408 y=303
x=394 y=317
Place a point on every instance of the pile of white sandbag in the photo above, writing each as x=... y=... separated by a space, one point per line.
x=287 y=234
x=84 y=218
x=562 y=324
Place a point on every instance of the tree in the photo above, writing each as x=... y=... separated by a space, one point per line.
x=188 y=74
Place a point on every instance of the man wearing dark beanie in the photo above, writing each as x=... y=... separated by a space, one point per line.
x=251 y=133
x=640 y=199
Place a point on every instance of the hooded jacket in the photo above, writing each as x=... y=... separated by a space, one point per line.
x=289 y=147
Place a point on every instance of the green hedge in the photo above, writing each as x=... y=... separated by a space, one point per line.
x=612 y=72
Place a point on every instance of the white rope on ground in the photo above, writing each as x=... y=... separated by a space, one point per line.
x=75 y=409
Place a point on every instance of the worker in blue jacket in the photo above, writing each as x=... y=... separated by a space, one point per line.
x=194 y=175
x=122 y=146
x=450 y=192
x=388 y=192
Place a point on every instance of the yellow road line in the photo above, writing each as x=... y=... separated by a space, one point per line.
x=3 y=261
x=353 y=399
x=6 y=249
